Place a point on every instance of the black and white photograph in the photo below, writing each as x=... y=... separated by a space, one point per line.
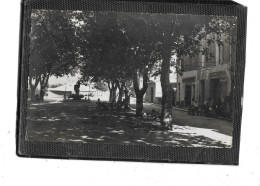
x=137 y=92
x=131 y=78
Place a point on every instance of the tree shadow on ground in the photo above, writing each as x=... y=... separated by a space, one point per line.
x=80 y=122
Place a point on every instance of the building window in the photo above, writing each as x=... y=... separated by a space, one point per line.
x=202 y=61
x=219 y=54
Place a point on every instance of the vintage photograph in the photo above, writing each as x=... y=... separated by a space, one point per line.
x=131 y=78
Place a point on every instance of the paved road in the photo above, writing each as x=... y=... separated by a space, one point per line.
x=80 y=122
x=182 y=118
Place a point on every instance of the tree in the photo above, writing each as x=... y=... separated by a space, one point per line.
x=182 y=36
x=141 y=54
x=53 y=50
x=103 y=52
x=101 y=86
x=116 y=48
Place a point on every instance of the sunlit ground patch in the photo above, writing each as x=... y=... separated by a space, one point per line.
x=207 y=133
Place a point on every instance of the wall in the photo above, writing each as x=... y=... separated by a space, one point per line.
x=180 y=92
x=202 y=68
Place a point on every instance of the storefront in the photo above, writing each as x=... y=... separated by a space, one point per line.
x=203 y=85
x=189 y=89
x=218 y=85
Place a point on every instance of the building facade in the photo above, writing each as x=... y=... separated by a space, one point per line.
x=207 y=78
x=154 y=90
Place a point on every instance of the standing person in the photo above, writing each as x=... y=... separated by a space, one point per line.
x=190 y=110
x=98 y=104
x=77 y=87
x=196 y=108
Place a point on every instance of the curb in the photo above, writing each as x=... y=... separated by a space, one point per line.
x=184 y=110
x=175 y=108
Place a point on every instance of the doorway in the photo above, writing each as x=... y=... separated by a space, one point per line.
x=215 y=89
x=202 y=90
x=187 y=95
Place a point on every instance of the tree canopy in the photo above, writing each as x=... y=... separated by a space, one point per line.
x=120 y=49
x=53 y=50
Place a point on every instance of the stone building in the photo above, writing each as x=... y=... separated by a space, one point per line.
x=207 y=78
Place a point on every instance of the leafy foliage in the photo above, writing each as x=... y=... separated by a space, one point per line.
x=101 y=86
x=121 y=50
x=53 y=50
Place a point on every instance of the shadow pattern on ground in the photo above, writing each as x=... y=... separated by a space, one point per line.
x=80 y=122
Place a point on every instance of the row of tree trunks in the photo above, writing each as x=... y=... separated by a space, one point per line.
x=112 y=91
x=34 y=82
x=123 y=91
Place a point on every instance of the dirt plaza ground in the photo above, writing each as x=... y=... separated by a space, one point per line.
x=81 y=122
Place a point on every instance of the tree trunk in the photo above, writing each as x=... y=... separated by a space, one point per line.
x=43 y=82
x=32 y=93
x=120 y=96
x=120 y=93
x=139 y=104
x=127 y=99
x=114 y=96
x=140 y=93
x=110 y=91
x=110 y=95
x=114 y=88
x=33 y=87
x=42 y=93
x=167 y=90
